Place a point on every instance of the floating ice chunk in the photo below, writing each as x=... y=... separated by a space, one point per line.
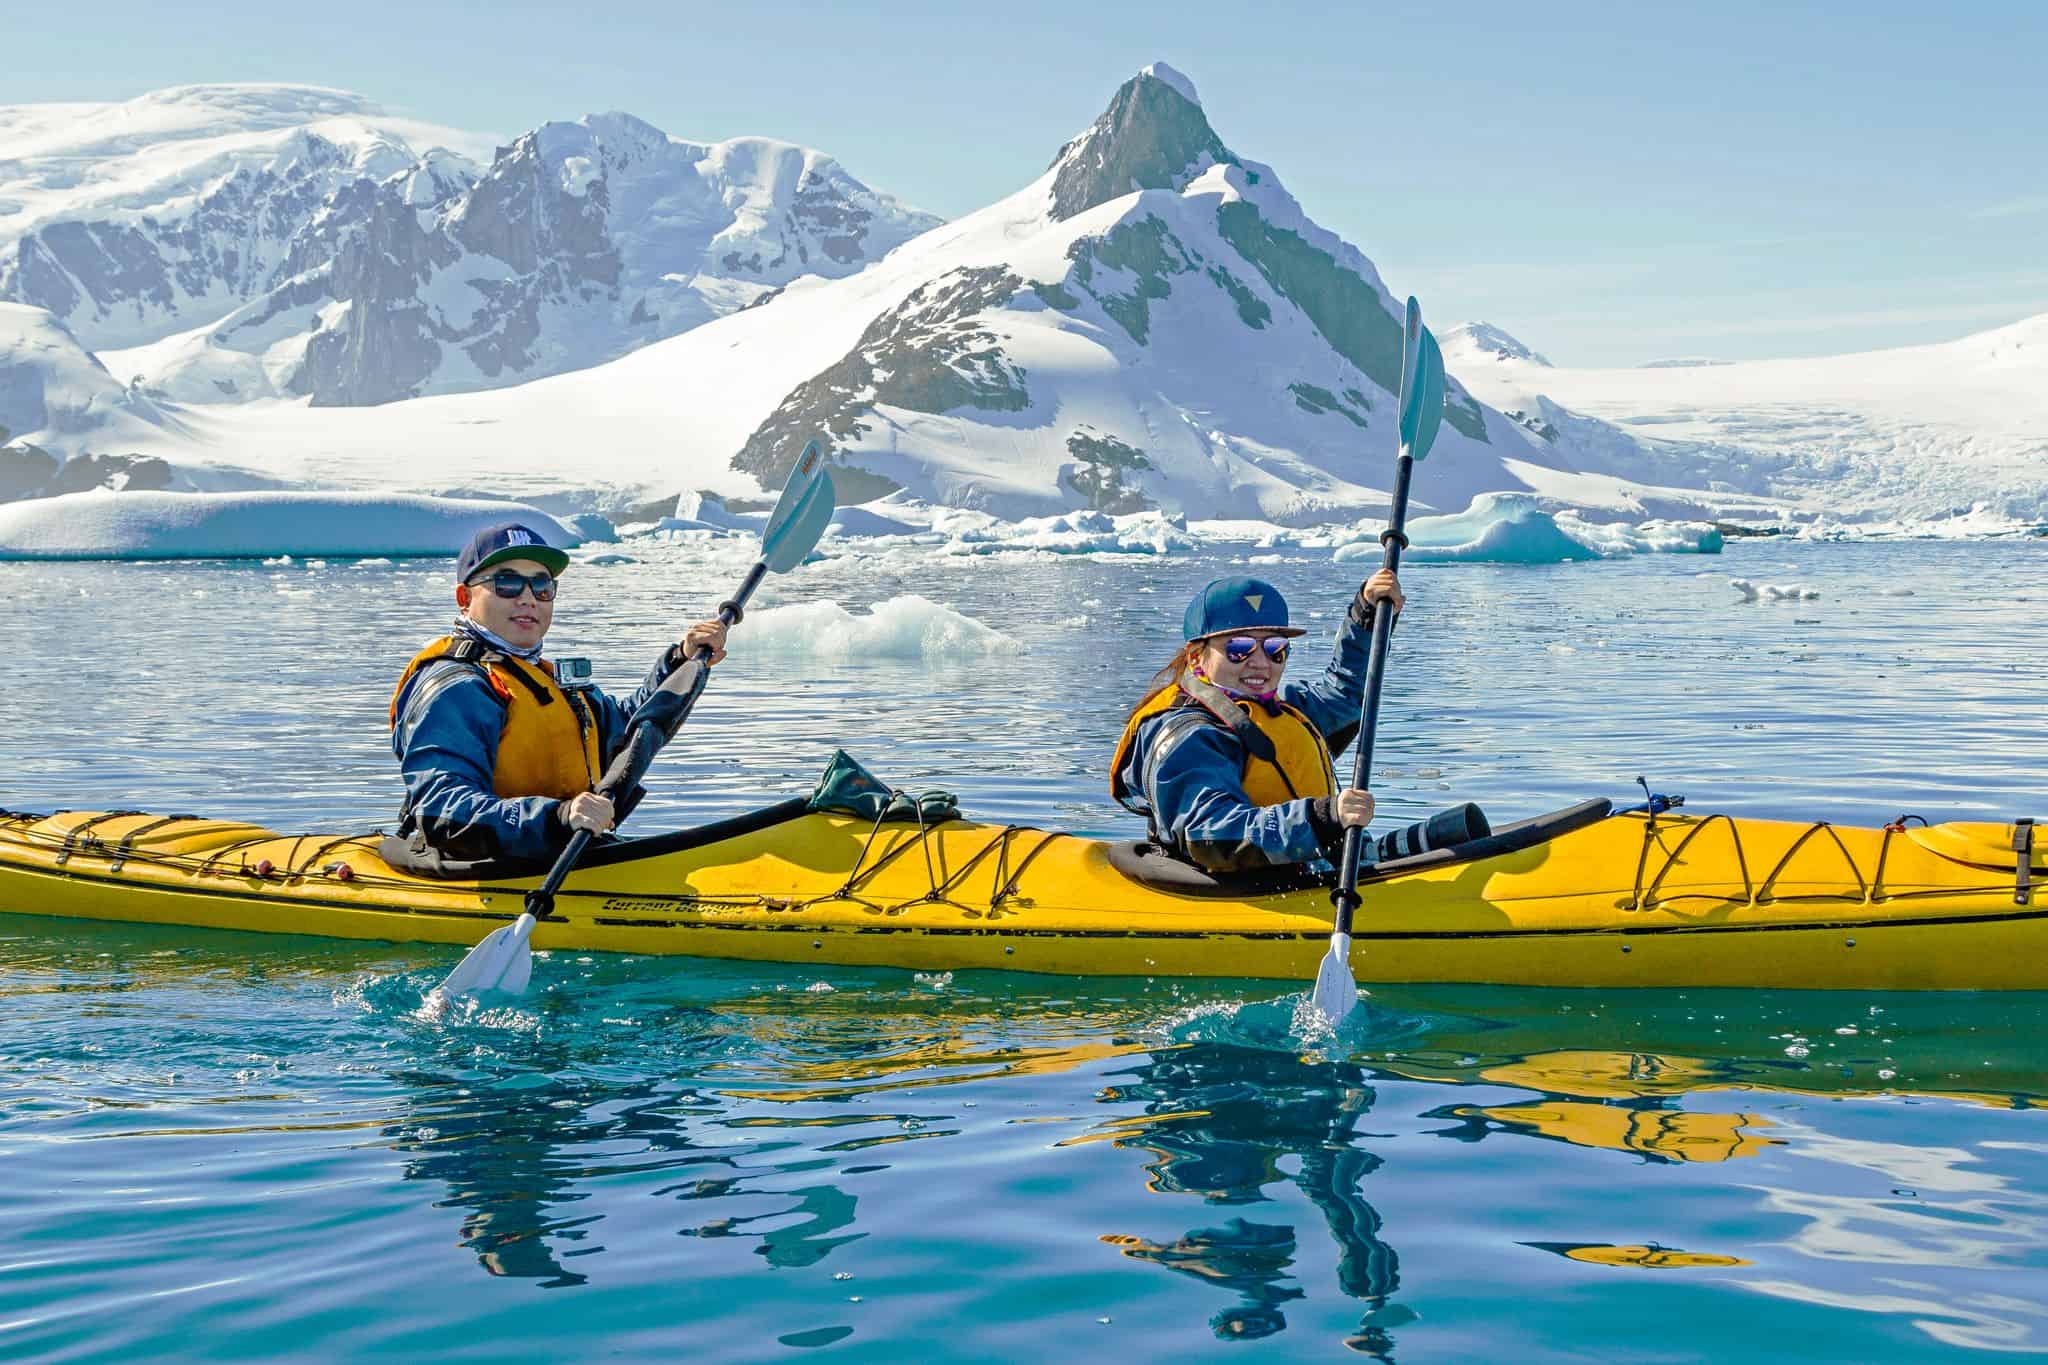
x=1514 y=528
x=268 y=525
x=1898 y=592
x=1071 y=533
x=592 y=527
x=1773 y=592
x=598 y=561
x=906 y=627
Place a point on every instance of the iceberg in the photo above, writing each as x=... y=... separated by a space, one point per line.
x=103 y=524
x=905 y=627
x=1515 y=528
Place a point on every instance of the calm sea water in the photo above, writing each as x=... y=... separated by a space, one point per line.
x=229 y=1146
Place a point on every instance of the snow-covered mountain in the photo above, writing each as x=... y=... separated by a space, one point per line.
x=1482 y=339
x=1918 y=433
x=223 y=243
x=1152 y=322
x=53 y=388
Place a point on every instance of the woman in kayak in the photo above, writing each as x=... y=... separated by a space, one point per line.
x=1231 y=767
x=499 y=755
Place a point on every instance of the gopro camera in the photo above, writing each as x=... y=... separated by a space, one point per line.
x=573 y=672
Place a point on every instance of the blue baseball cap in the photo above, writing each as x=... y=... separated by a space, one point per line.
x=507 y=540
x=1230 y=604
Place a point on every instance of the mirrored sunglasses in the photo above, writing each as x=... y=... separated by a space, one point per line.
x=1238 y=648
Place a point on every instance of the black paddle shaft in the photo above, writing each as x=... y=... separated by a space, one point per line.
x=652 y=725
x=1345 y=896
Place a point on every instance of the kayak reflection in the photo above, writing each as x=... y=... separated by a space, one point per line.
x=1219 y=1121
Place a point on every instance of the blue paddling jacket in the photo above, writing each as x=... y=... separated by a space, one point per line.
x=447 y=723
x=1184 y=768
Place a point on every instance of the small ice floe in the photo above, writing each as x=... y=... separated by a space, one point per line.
x=905 y=627
x=1897 y=592
x=598 y=561
x=820 y=988
x=1773 y=592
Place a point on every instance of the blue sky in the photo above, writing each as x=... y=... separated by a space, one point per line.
x=1613 y=183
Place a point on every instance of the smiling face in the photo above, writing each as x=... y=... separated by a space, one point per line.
x=1257 y=674
x=520 y=621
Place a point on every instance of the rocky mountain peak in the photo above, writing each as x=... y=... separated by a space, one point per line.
x=1153 y=136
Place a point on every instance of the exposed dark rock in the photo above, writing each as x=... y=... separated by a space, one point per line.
x=1313 y=398
x=1151 y=137
x=1251 y=309
x=24 y=470
x=925 y=354
x=1098 y=475
x=1343 y=307
x=239 y=239
x=1056 y=295
x=132 y=472
x=28 y=471
x=1145 y=248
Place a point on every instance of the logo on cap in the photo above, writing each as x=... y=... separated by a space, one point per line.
x=1256 y=601
x=518 y=536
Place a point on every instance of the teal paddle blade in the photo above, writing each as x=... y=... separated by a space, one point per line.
x=1412 y=395
x=1431 y=403
x=801 y=514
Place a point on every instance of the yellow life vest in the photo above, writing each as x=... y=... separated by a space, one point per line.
x=1285 y=757
x=550 y=744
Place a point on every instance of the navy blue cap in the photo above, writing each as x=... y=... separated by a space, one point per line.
x=1230 y=604
x=507 y=540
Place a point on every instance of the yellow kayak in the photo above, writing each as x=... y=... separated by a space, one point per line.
x=1577 y=898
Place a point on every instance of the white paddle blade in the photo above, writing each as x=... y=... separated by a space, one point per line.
x=502 y=962
x=1336 y=994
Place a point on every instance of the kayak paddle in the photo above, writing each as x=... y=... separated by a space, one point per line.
x=1422 y=411
x=503 y=961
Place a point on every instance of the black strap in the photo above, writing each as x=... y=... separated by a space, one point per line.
x=2023 y=863
x=476 y=653
x=538 y=689
x=1218 y=703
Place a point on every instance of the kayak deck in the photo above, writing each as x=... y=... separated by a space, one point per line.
x=1678 y=900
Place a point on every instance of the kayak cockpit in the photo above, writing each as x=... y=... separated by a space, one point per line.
x=1150 y=865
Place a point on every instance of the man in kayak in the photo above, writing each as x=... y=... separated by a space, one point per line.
x=1232 y=767
x=499 y=753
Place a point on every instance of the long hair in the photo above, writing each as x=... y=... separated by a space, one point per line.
x=1168 y=676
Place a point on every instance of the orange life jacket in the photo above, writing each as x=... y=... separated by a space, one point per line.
x=550 y=745
x=1285 y=756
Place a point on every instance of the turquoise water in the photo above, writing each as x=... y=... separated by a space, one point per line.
x=231 y=1146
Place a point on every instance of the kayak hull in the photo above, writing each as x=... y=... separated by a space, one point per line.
x=1622 y=902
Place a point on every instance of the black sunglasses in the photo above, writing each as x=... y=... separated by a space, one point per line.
x=1238 y=648
x=509 y=583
